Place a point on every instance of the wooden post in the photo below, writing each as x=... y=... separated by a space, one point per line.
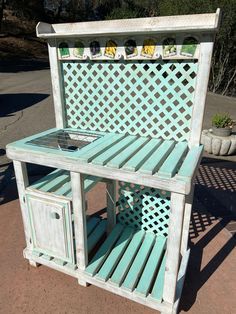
x=56 y=84
x=22 y=182
x=186 y=222
x=204 y=65
x=78 y=199
x=173 y=246
x=111 y=204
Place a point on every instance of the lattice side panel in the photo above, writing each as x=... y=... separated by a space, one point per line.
x=144 y=208
x=149 y=98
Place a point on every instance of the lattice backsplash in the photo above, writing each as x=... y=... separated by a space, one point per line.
x=144 y=208
x=149 y=98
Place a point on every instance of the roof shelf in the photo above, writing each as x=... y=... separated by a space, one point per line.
x=208 y=22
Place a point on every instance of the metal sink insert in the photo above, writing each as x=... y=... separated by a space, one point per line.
x=64 y=140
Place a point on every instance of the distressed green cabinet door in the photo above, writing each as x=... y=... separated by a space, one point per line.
x=51 y=226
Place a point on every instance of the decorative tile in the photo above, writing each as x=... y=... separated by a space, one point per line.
x=64 y=50
x=189 y=47
x=110 y=50
x=78 y=50
x=131 y=48
x=149 y=47
x=169 y=47
x=95 y=49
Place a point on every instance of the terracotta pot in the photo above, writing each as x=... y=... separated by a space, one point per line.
x=222 y=131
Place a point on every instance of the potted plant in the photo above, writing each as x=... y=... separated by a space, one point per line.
x=222 y=124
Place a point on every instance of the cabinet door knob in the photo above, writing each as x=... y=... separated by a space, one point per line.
x=55 y=215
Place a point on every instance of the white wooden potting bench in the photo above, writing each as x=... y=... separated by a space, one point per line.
x=129 y=99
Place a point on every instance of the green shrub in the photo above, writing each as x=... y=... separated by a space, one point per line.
x=222 y=120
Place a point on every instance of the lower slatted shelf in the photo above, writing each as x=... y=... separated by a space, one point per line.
x=131 y=260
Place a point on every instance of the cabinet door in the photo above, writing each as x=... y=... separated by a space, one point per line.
x=51 y=226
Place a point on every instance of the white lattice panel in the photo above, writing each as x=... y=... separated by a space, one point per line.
x=149 y=98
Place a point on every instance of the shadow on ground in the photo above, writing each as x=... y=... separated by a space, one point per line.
x=214 y=200
x=12 y=103
x=8 y=189
x=20 y=65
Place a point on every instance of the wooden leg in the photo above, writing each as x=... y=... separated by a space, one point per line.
x=111 y=205
x=186 y=222
x=33 y=263
x=78 y=199
x=82 y=282
x=22 y=183
x=173 y=247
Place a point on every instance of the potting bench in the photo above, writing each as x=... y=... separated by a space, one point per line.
x=129 y=99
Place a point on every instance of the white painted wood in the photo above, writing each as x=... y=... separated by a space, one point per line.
x=51 y=226
x=173 y=246
x=160 y=306
x=33 y=263
x=71 y=164
x=22 y=182
x=164 y=24
x=111 y=204
x=204 y=65
x=43 y=28
x=180 y=280
x=80 y=230
x=82 y=282
x=50 y=263
x=56 y=84
x=48 y=196
x=51 y=195
x=186 y=222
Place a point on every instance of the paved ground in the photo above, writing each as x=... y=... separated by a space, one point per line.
x=209 y=286
x=210 y=282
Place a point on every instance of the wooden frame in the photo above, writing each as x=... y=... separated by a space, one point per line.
x=193 y=23
x=176 y=176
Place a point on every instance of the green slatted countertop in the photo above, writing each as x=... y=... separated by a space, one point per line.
x=123 y=157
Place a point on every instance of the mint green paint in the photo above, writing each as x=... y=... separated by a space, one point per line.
x=135 y=162
x=151 y=267
x=154 y=162
x=32 y=137
x=188 y=166
x=127 y=258
x=96 y=234
x=115 y=255
x=114 y=150
x=119 y=160
x=149 y=98
x=48 y=178
x=58 y=182
x=104 y=250
x=157 y=290
x=107 y=142
x=139 y=262
x=91 y=224
x=54 y=184
x=64 y=190
x=172 y=162
x=21 y=145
